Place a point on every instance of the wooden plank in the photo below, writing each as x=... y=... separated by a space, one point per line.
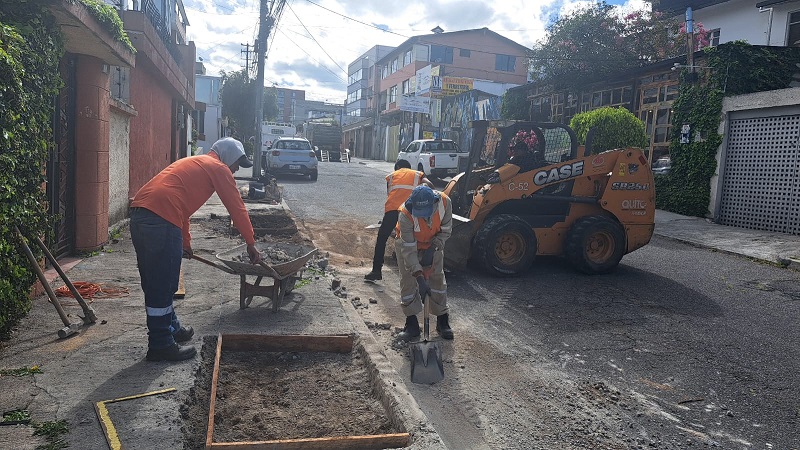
x=288 y=343
x=213 y=400
x=112 y=438
x=378 y=441
x=181 y=292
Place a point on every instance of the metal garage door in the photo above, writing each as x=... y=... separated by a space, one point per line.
x=761 y=182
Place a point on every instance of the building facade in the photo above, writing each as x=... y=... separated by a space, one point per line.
x=375 y=89
x=207 y=116
x=287 y=100
x=121 y=117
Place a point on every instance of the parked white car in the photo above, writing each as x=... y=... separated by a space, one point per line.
x=290 y=155
x=436 y=157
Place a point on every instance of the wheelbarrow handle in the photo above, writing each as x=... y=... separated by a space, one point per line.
x=210 y=263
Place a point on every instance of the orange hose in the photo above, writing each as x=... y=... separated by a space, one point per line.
x=89 y=290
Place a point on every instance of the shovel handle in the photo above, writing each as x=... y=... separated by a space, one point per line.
x=274 y=274
x=212 y=264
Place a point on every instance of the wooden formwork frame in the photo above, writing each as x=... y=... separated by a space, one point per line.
x=292 y=343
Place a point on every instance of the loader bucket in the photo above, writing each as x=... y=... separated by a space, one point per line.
x=458 y=245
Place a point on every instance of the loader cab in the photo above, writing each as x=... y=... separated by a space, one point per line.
x=489 y=151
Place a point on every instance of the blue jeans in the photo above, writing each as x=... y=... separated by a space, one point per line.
x=159 y=248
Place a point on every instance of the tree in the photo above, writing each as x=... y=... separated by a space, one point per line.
x=515 y=105
x=596 y=41
x=238 y=103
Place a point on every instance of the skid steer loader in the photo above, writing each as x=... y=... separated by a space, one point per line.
x=589 y=208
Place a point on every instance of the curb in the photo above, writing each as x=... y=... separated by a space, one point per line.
x=391 y=387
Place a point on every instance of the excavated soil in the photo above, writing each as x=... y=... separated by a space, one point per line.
x=283 y=395
x=268 y=395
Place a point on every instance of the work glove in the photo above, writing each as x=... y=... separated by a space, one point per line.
x=494 y=178
x=254 y=254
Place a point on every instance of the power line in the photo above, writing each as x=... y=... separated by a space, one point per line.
x=312 y=58
x=356 y=20
x=315 y=40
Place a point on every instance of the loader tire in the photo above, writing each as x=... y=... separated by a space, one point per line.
x=595 y=244
x=505 y=245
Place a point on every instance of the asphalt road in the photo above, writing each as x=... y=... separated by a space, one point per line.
x=680 y=347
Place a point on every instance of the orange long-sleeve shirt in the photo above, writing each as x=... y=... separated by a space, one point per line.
x=185 y=185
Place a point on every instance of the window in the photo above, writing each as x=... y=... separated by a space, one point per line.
x=464 y=53
x=441 y=54
x=505 y=63
x=407 y=58
x=200 y=123
x=356 y=76
x=793 y=39
x=393 y=94
x=713 y=38
x=394 y=66
x=384 y=72
x=406 y=89
x=354 y=96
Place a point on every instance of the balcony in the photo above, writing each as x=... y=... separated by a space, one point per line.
x=159 y=22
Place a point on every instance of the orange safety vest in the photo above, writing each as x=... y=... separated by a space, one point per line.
x=423 y=233
x=399 y=185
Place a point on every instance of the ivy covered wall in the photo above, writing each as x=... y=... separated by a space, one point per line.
x=30 y=50
x=732 y=68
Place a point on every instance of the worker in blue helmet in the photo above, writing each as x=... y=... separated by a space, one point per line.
x=424 y=224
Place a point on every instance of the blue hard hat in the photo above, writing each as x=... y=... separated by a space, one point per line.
x=422 y=201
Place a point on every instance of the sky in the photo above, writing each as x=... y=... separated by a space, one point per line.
x=315 y=40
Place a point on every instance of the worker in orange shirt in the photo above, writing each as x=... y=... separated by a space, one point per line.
x=159 y=221
x=398 y=188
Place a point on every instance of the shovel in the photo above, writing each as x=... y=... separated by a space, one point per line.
x=426 y=356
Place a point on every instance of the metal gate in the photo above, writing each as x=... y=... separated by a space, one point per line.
x=761 y=181
x=61 y=165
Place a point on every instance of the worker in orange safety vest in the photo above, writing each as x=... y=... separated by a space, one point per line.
x=424 y=224
x=398 y=188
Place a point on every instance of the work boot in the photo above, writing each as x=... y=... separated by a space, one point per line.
x=373 y=276
x=172 y=353
x=411 y=330
x=443 y=327
x=184 y=334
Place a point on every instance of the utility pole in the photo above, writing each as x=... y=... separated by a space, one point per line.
x=265 y=25
x=690 y=39
x=247 y=52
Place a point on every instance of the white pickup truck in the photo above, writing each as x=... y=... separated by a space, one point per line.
x=436 y=157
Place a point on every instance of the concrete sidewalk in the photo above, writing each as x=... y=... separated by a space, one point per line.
x=775 y=248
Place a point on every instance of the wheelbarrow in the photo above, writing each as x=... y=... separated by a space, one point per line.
x=284 y=273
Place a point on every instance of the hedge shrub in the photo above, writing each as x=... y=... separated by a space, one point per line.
x=614 y=128
x=30 y=50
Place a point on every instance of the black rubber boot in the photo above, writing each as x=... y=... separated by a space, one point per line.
x=172 y=353
x=184 y=334
x=443 y=327
x=373 y=276
x=411 y=330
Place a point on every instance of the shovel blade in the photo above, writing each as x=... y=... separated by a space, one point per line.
x=426 y=363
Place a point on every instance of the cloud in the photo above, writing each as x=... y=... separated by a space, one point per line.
x=313 y=43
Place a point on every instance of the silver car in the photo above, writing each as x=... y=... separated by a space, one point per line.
x=290 y=156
